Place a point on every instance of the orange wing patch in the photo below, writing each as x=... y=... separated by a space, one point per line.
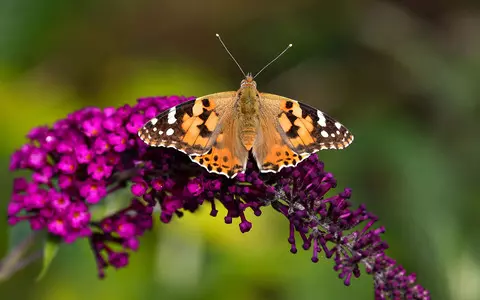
x=227 y=155
x=220 y=161
x=278 y=157
x=199 y=124
x=271 y=151
x=297 y=127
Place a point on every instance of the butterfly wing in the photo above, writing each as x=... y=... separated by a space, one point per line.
x=270 y=149
x=300 y=128
x=190 y=127
x=204 y=129
x=227 y=155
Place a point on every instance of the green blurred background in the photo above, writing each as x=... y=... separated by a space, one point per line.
x=402 y=75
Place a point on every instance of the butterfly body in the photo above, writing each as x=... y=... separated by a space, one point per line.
x=218 y=131
x=248 y=112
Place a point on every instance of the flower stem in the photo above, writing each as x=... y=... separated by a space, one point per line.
x=15 y=260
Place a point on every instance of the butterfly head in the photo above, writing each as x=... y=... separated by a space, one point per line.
x=248 y=81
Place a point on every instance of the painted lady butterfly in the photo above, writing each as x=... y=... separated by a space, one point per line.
x=219 y=130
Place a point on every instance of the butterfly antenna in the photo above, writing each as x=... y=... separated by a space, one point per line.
x=288 y=47
x=223 y=44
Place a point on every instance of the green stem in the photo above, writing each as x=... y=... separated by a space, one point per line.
x=15 y=260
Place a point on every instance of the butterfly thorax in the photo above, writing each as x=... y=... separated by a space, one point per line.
x=247 y=107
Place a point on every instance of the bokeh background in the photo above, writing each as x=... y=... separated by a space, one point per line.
x=404 y=76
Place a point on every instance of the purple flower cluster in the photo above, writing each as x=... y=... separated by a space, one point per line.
x=327 y=224
x=95 y=152
x=78 y=162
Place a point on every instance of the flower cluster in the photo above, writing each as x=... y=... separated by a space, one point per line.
x=75 y=164
x=328 y=225
x=95 y=152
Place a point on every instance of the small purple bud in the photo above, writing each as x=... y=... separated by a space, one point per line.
x=139 y=188
x=126 y=230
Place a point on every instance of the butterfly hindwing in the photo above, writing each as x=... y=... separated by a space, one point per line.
x=271 y=151
x=190 y=127
x=227 y=155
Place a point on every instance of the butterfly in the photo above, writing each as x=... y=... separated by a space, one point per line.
x=218 y=131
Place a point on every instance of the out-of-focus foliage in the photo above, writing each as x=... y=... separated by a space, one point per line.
x=402 y=75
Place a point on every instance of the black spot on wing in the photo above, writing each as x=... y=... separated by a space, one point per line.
x=293 y=131
x=206 y=102
x=309 y=111
x=204 y=115
x=204 y=132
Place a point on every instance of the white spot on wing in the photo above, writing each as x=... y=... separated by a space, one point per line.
x=324 y=133
x=170 y=131
x=338 y=125
x=171 y=115
x=154 y=121
x=332 y=134
x=321 y=119
x=154 y=129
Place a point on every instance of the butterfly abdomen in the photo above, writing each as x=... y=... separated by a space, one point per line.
x=248 y=115
x=248 y=136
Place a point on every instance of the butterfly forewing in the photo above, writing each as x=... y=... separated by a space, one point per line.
x=303 y=128
x=190 y=127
